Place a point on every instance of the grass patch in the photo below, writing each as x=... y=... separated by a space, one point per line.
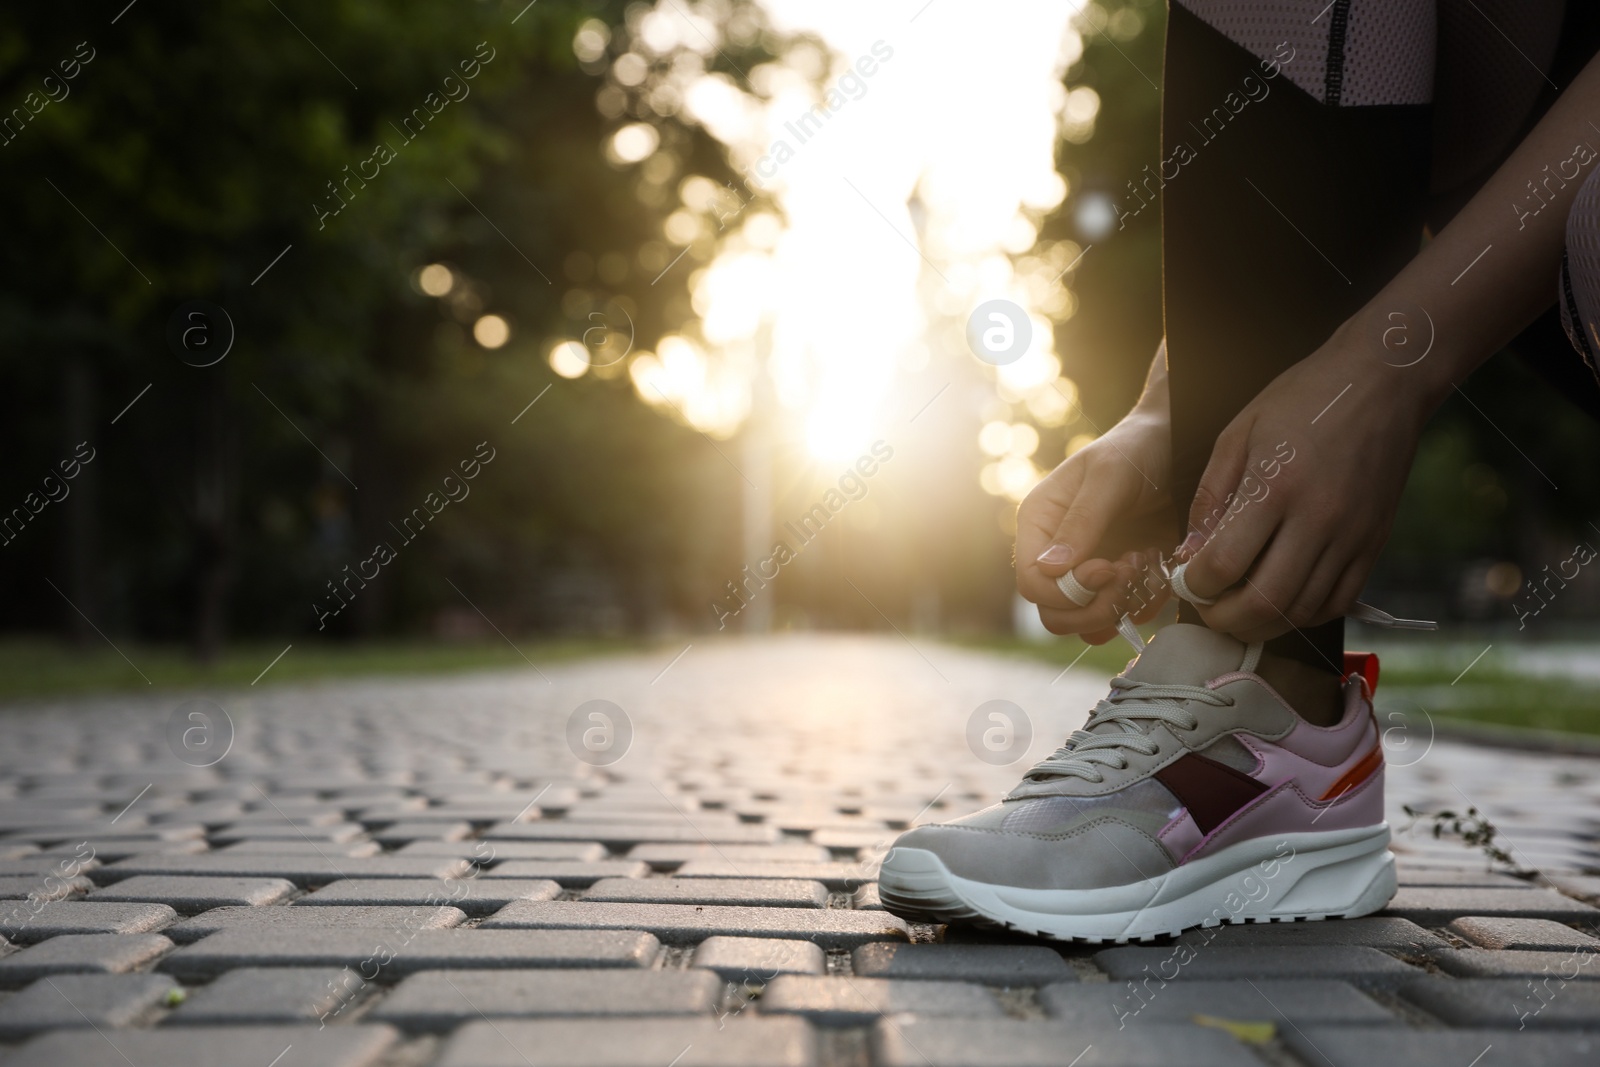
x=1509 y=700
x=31 y=668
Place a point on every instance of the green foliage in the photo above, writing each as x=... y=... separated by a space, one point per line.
x=194 y=148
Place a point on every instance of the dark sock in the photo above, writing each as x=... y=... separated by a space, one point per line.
x=1306 y=667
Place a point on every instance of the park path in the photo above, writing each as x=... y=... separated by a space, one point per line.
x=668 y=859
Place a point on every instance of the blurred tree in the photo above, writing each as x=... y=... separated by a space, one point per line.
x=295 y=165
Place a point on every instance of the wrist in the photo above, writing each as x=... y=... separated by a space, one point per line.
x=1395 y=353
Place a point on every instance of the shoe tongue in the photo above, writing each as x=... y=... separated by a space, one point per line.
x=1184 y=654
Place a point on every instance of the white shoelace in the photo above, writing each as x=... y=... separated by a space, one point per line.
x=1130 y=702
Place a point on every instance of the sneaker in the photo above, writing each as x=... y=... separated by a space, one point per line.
x=1193 y=796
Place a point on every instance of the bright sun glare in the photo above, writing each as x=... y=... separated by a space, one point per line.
x=905 y=187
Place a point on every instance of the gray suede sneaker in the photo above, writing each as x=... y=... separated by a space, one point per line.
x=1193 y=796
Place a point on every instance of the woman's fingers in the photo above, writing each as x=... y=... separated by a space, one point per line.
x=1108 y=580
x=1103 y=496
x=1286 y=588
x=1233 y=540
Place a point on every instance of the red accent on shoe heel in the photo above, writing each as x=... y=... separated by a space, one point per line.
x=1364 y=664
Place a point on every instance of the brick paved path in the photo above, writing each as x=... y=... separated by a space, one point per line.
x=423 y=872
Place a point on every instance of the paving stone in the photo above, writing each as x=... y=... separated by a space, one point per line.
x=406 y=831
x=669 y=857
x=766 y=892
x=302 y=870
x=34 y=887
x=206 y=812
x=1459 y=879
x=1578 y=885
x=475 y=896
x=711 y=823
x=835 y=837
x=1118 y=1005
x=1538 y=934
x=514 y=810
x=22 y=814
x=271 y=995
x=740 y=1041
x=1363 y=1046
x=230 y=1046
x=845 y=1001
x=341 y=833
x=840 y=877
x=486 y=852
x=1350 y=963
x=279 y=847
x=53 y=918
x=867 y=899
x=70 y=1001
x=307 y=821
x=1017 y=1043
x=112 y=851
x=100 y=833
x=41 y=865
x=442 y=1000
x=82 y=953
x=307 y=922
x=389 y=810
x=758 y=959
x=573 y=874
x=626 y=835
x=1002 y=965
x=830 y=927
x=189 y=895
x=1387 y=932
x=1434 y=906
x=1513 y=1003
x=1516 y=963
x=396 y=953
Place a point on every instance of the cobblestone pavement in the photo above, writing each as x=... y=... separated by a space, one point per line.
x=426 y=872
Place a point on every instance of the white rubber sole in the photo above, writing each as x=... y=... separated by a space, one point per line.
x=1315 y=875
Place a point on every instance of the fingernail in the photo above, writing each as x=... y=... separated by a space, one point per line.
x=1055 y=555
x=1191 y=544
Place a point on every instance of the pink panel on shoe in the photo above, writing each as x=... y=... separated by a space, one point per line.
x=1180 y=836
x=1329 y=746
x=1279 y=764
x=1289 y=810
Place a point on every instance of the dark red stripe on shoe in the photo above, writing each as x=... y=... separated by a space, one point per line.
x=1211 y=791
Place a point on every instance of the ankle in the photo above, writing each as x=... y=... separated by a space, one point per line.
x=1316 y=695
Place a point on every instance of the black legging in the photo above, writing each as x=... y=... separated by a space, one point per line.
x=1282 y=217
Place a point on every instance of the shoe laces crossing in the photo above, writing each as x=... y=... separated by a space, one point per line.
x=1130 y=703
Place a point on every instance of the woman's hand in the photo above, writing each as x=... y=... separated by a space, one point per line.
x=1098 y=514
x=1300 y=547
x=1302 y=487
